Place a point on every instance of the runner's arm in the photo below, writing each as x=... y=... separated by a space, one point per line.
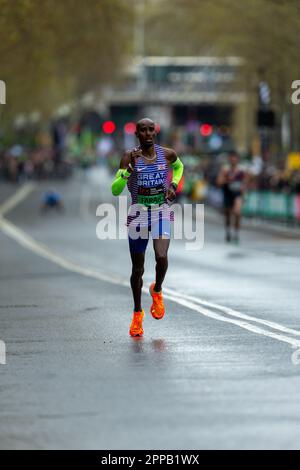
x=121 y=176
x=221 y=179
x=177 y=171
x=177 y=166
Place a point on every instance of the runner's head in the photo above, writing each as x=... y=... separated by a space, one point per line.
x=233 y=158
x=145 y=132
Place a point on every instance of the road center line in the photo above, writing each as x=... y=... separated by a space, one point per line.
x=18 y=197
x=235 y=313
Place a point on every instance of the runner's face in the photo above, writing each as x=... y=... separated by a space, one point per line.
x=146 y=133
x=233 y=160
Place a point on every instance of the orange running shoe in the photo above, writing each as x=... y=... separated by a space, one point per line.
x=136 y=327
x=157 y=308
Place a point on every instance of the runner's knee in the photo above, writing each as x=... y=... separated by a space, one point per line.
x=138 y=271
x=161 y=257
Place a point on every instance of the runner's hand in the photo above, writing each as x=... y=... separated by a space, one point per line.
x=136 y=153
x=171 y=193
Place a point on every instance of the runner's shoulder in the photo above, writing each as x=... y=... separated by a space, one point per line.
x=126 y=158
x=170 y=154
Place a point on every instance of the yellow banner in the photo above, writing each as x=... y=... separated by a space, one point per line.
x=293 y=161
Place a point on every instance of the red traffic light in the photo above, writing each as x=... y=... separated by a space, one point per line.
x=206 y=130
x=129 y=128
x=157 y=128
x=109 y=127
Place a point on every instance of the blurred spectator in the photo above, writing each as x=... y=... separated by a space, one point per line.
x=52 y=200
x=37 y=159
x=257 y=165
x=59 y=135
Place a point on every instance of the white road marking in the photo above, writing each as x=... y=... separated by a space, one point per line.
x=18 y=197
x=190 y=302
x=242 y=324
x=235 y=313
x=26 y=241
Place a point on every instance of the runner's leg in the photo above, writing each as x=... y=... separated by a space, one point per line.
x=136 y=279
x=237 y=208
x=138 y=241
x=227 y=219
x=161 y=246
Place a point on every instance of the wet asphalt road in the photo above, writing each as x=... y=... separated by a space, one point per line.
x=203 y=378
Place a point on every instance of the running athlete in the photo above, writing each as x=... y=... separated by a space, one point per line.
x=231 y=179
x=144 y=169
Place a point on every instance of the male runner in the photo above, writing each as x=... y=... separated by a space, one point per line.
x=145 y=170
x=232 y=180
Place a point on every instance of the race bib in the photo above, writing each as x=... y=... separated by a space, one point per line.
x=151 y=196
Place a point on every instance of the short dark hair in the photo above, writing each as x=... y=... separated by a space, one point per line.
x=139 y=122
x=234 y=153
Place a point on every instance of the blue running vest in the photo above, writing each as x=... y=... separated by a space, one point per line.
x=148 y=185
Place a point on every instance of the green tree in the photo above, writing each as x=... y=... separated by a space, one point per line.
x=52 y=51
x=263 y=32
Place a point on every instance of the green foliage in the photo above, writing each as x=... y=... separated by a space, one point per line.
x=264 y=32
x=52 y=50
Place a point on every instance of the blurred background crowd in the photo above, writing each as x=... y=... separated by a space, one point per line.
x=214 y=76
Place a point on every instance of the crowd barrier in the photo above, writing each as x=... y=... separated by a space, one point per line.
x=263 y=204
x=272 y=205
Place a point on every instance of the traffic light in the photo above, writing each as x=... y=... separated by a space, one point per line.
x=206 y=130
x=109 y=127
x=130 y=128
x=265 y=118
